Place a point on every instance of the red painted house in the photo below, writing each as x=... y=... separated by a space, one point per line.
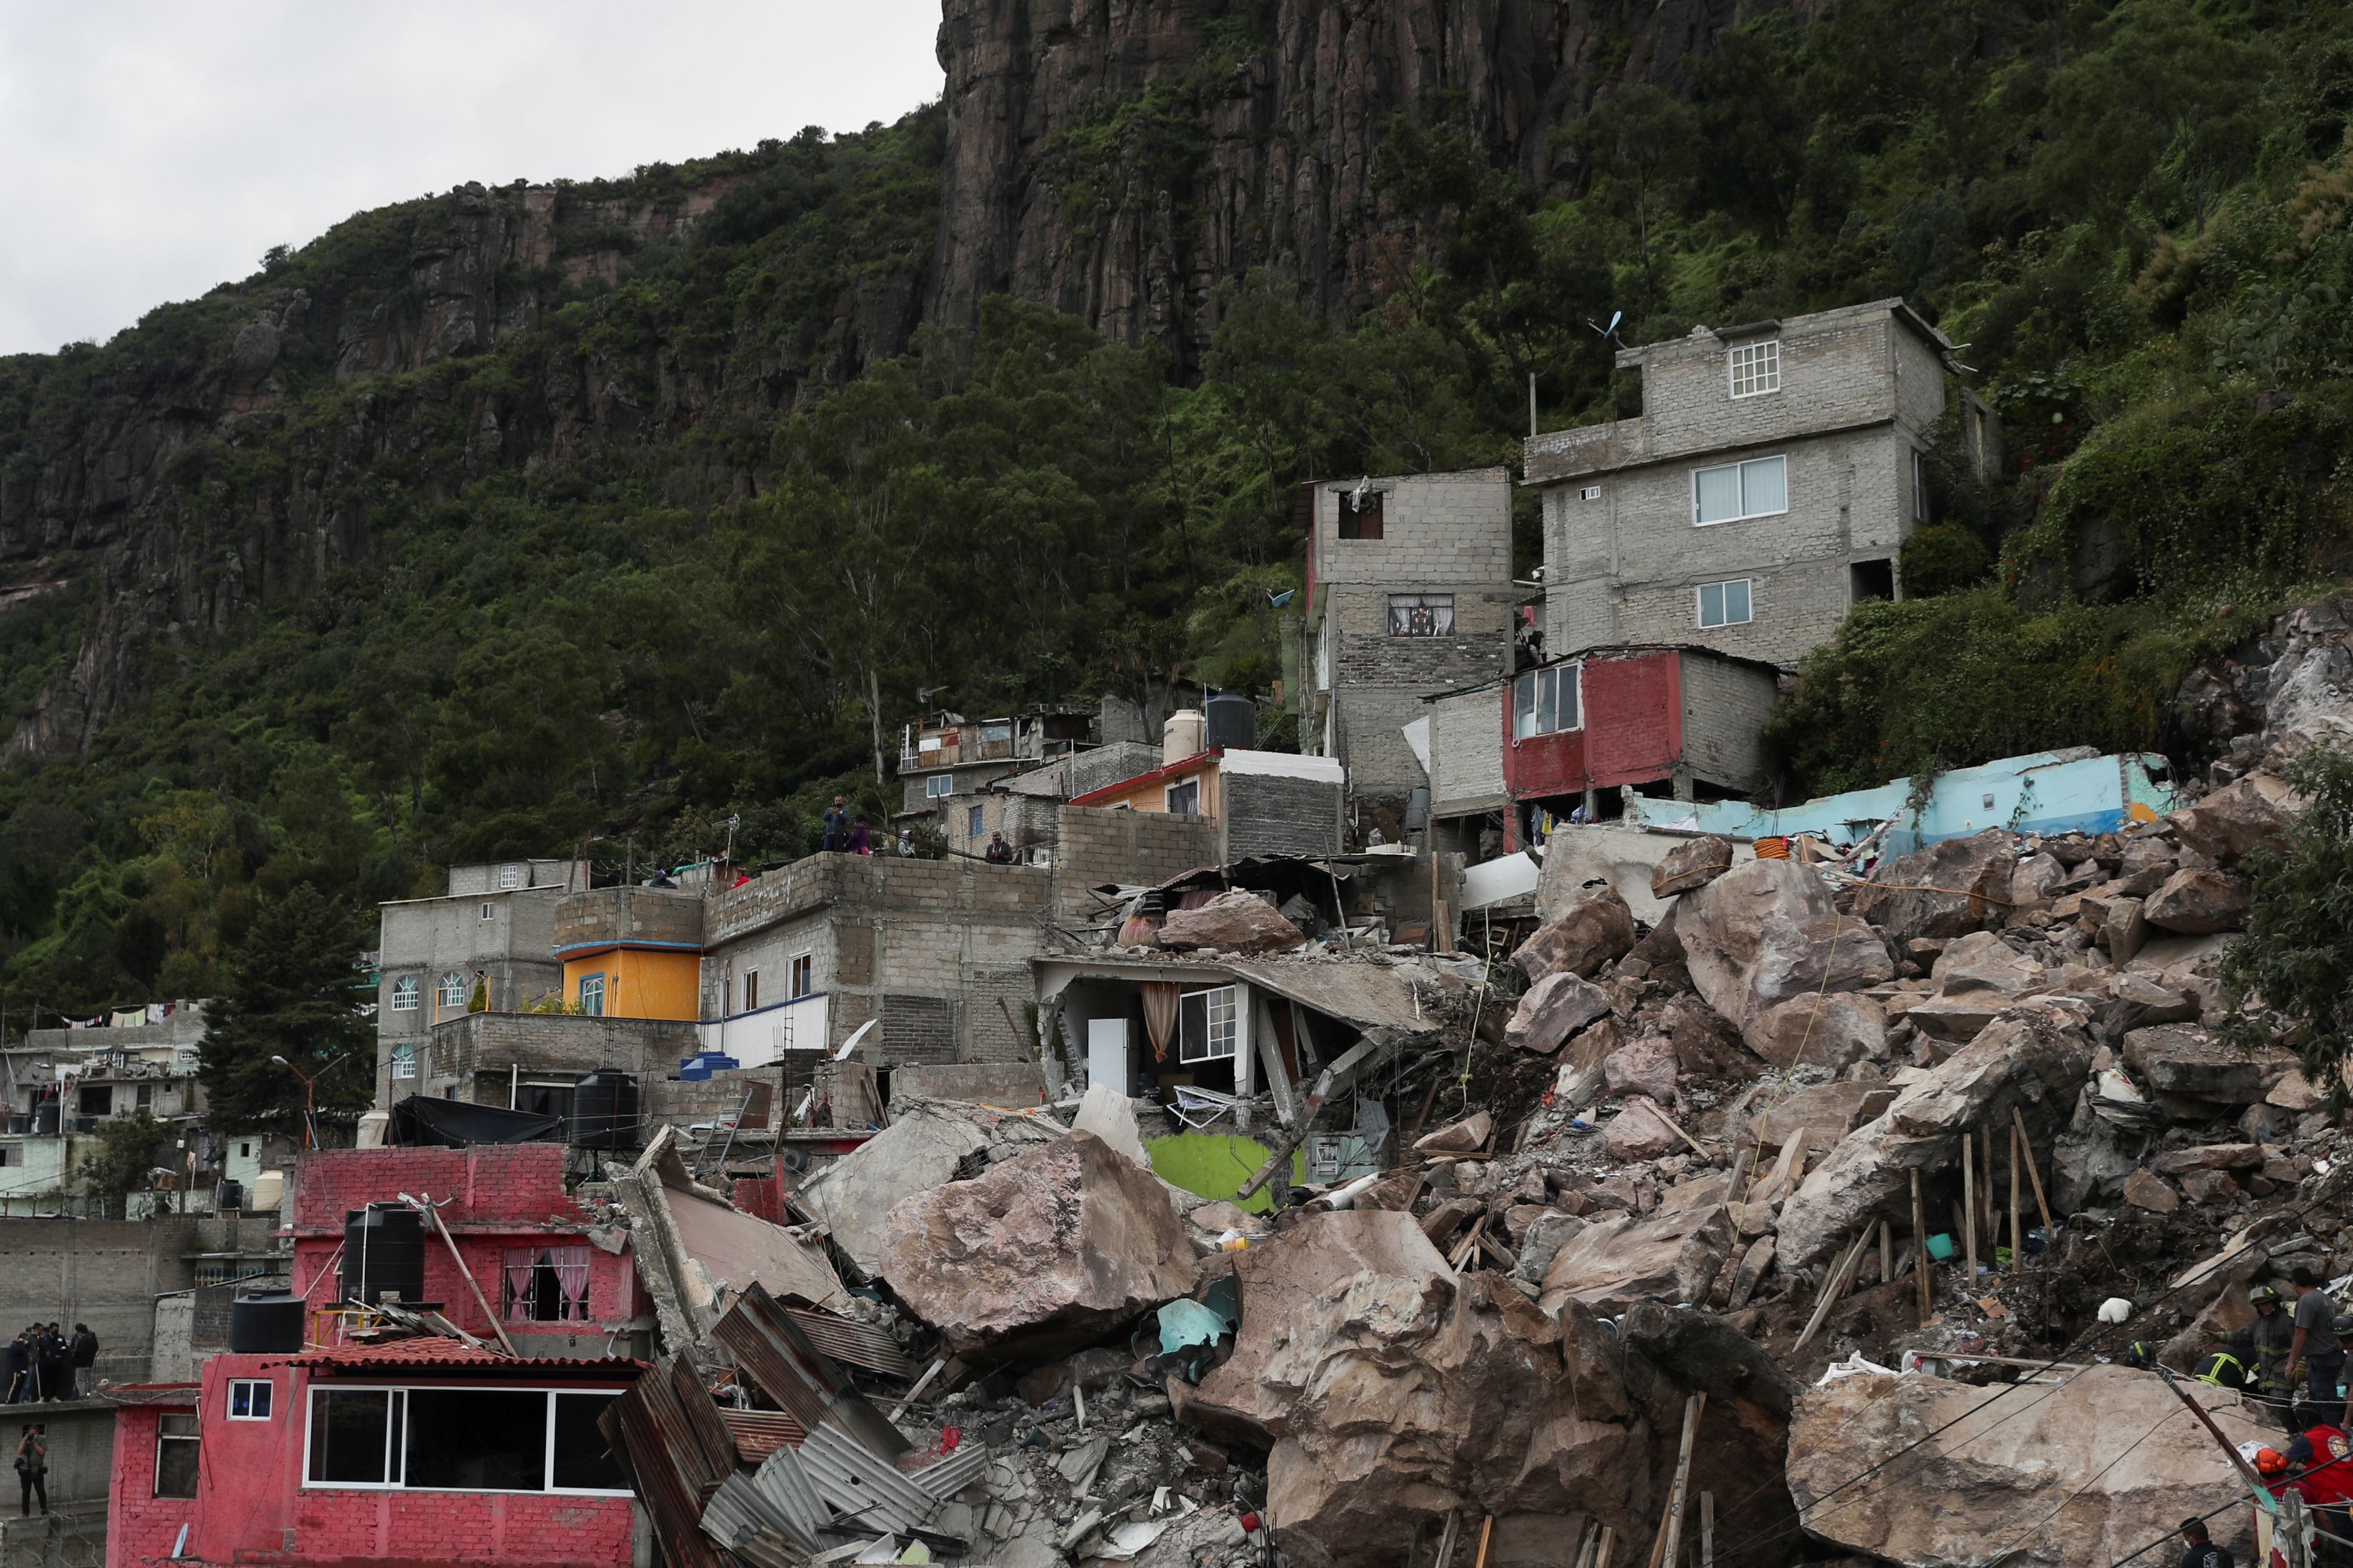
x=422 y=1452
x=524 y=1239
x=1680 y=721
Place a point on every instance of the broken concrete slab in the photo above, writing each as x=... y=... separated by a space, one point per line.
x=2090 y=1469
x=1110 y=1116
x=1947 y=889
x=1612 y=1263
x=1044 y=1252
x=2198 y=902
x=1834 y=1030
x=1767 y=931
x=1694 y=863
x=2032 y=1059
x=1233 y=922
x=2238 y=818
x=1598 y=929
x=1556 y=1007
x=922 y=1149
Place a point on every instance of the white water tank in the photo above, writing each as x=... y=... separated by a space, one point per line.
x=269 y=1192
x=1184 y=735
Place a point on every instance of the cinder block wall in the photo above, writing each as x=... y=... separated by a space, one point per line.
x=1272 y=816
x=1724 y=708
x=549 y=1043
x=106 y=1273
x=1102 y=846
x=629 y=914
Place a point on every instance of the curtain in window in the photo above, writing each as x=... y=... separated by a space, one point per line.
x=518 y=1271
x=572 y=1273
x=1159 y=1015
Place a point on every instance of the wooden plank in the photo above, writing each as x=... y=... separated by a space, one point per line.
x=1486 y=1537
x=2017 y=1231
x=1968 y=1213
x=1670 y=1534
x=1833 y=1286
x=2035 y=1174
x=1608 y=1544
x=1707 y=1516
x=459 y=1258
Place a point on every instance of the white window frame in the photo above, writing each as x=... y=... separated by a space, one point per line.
x=406 y=993
x=1754 y=369
x=450 y=997
x=580 y=994
x=939 y=786
x=509 y=877
x=1525 y=709
x=1188 y=788
x=1220 y=1024
x=403 y=1063
x=1699 y=603
x=396 y=1439
x=1741 y=469
x=246 y=1386
x=489 y=912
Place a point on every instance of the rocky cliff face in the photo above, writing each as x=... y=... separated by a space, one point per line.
x=1273 y=116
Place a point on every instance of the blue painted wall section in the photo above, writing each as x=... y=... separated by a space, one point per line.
x=2044 y=791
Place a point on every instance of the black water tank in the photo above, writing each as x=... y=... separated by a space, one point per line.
x=267 y=1323
x=384 y=1253
x=603 y=1112
x=1232 y=722
x=230 y=1197
x=45 y=1118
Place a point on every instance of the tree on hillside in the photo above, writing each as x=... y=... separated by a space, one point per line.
x=2286 y=978
x=129 y=1148
x=289 y=996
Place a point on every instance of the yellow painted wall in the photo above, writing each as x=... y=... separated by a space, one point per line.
x=641 y=984
x=1154 y=796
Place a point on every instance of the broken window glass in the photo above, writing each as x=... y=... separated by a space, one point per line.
x=177 y=1448
x=1206 y=1024
x=584 y=1461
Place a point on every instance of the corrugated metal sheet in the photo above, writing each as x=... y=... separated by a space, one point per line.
x=666 y=1468
x=945 y=1477
x=785 y=1487
x=856 y=1483
x=860 y=1344
x=779 y=1357
x=760 y=1432
x=702 y=1413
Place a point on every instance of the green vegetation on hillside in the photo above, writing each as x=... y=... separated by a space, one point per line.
x=720 y=601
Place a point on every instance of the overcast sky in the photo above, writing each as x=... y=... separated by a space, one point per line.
x=150 y=150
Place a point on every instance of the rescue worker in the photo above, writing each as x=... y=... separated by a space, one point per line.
x=2315 y=1349
x=2202 y=1551
x=2263 y=1347
x=2321 y=1460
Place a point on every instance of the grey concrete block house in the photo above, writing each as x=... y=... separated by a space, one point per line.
x=1767 y=485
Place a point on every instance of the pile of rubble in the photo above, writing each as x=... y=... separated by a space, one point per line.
x=1811 y=1216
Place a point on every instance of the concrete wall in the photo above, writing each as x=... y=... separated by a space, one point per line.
x=1441 y=533
x=1466 y=751
x=1270 y=815
x=1860 y=389
x=108 y=1273
x=424 y=938
x=1724 y=708
x=1134 y=847
x=475 y=1057
x=658 y=917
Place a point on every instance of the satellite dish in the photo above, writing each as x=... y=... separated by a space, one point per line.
x=1279 y=599
x=1615 y=317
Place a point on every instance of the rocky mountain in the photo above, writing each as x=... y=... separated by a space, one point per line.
x=1117 y=160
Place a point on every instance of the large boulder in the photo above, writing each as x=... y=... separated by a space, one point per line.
x=1983 y=961
x=925 y=1146
x=1599 y=929
x=1830 y=1030
x=2032 y=1059
x=2199 y=902
x=2089 y=1470
x=1672 y=1257
x=1042 y=1254
x=2238 y=818
x=1694 y=863
x=2183 y=1062
x=1766 y=932
x=1948 y=888
x=1640 y=1131
x=1233 y=922
x=1555 y=1008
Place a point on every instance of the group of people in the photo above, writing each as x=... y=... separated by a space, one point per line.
x=848 y=833
x=42 y=1363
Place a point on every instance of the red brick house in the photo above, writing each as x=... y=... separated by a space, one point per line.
x=424 y=1452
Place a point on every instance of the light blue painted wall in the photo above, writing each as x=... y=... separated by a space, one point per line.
x=2043 y=792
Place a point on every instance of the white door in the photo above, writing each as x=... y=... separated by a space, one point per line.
x=1107 y=1053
